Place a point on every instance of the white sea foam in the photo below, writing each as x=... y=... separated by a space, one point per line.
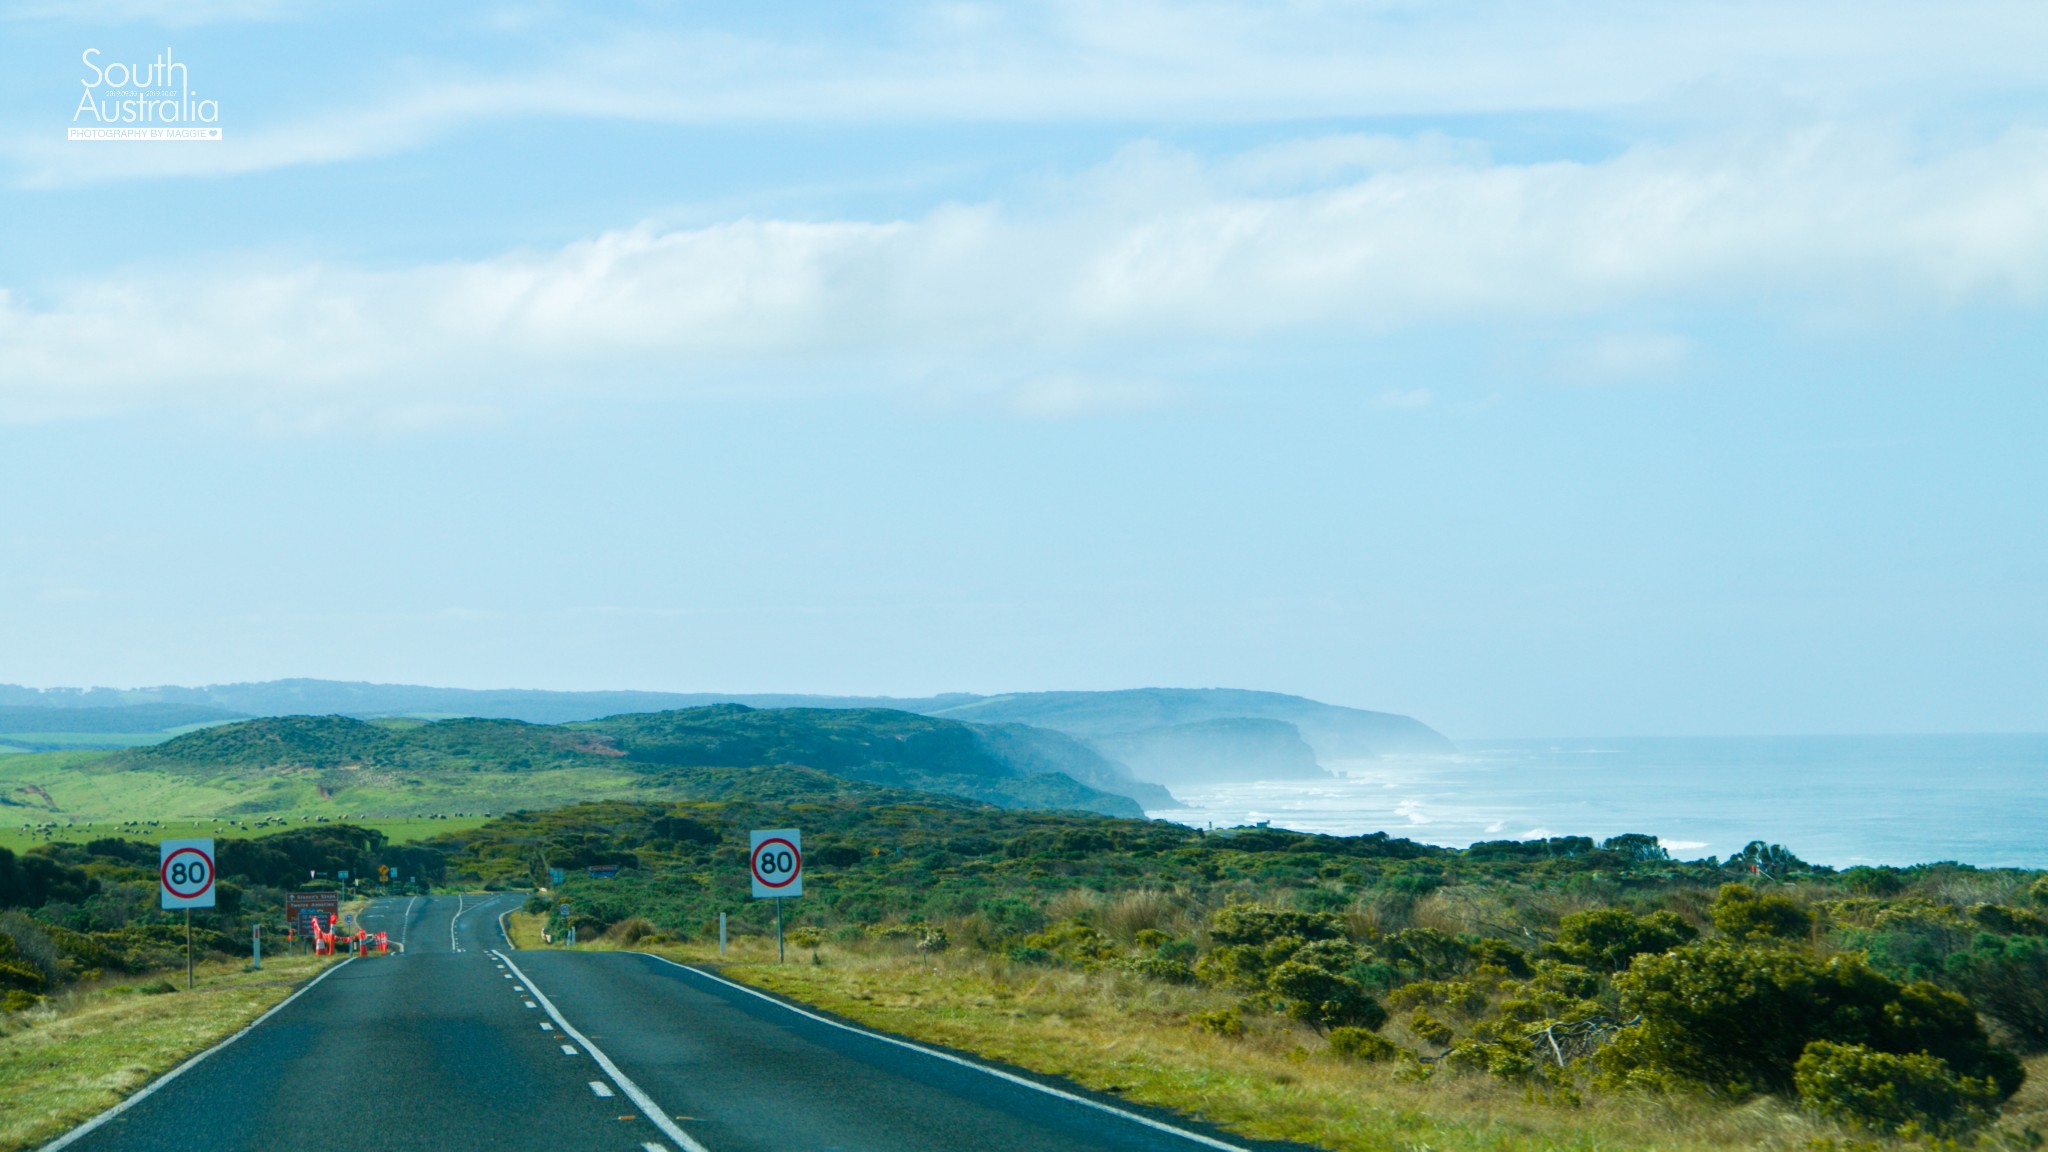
x=1837 y=800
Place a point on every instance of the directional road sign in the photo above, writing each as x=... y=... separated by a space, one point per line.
x=185 y=873
x=777 y=861
x=301 y=907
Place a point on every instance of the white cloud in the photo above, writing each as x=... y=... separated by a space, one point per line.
x=1155 y=253
x=173 y=13
x=1073 y=61
x=1067 y=395
x=1619 y=356
x=1404 y=399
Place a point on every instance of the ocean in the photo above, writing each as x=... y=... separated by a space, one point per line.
x=1837 y=800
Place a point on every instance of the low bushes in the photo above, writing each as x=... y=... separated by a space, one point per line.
x=1607 y=939
x=1891 y=1093
x=1736 y=1018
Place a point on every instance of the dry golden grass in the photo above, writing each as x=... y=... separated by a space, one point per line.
x=1131 y=1037
x=525 y=929
x=66 y=1062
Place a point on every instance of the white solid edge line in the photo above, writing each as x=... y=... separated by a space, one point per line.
x=66 y=1139
x=1147 y=1121
x=453 y=945
x=502 y=931
x=640 y=1099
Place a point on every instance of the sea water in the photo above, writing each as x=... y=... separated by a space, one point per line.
x=1838 y=800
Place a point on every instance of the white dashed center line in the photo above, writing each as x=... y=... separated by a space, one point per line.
x=568 y=1049
x=546 y=1027
x=531 y=1004
x=653 y=1148
x=601 y=1088
x=634 y=1092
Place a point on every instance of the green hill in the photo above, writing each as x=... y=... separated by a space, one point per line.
x=1332 y=731
x=400 y=766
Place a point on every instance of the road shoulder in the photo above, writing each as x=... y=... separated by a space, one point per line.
x=60 y=1071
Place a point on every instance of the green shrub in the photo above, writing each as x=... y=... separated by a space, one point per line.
x=1430 y=1029
x=1492 y=953
x=1159 y=968
x=1258 y=924
x=1891 y=1093
x=1457 y=995
x=1219 y=1022
x=1426 y=953
x=15 y=975
x=1606 y=939
x=1742 y=913
x=2038 y=890
x=1736 y=1018
x=1362 y=1044
x=1074 y=942
x=1508 y=1061
x=2007 y=977
x=1866 y=881
x=1319 y=997
x=2008 y=921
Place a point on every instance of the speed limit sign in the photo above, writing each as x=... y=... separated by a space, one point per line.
x=777 y=861
x=185 y=871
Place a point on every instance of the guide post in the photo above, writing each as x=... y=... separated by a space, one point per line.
x=777 y=863
x=185 y=874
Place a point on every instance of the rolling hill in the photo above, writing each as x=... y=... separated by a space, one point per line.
x=1178 y=735
x=404 y=766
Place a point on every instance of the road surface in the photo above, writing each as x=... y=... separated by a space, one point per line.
x=461 y=1042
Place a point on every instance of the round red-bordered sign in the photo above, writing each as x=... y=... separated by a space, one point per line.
x=186 y=893
x=786 y=860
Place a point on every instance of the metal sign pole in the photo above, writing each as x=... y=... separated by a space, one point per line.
x=778 y=929
x=256 y=947
x=721 y=934
x=188 y=949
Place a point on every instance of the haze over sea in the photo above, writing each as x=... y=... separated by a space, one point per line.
x=1838 y=800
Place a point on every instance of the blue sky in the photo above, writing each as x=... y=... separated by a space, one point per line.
x=1533 y=368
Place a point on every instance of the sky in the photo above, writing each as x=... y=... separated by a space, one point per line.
x=1531 y=368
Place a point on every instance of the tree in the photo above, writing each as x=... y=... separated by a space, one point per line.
x=1640 y=849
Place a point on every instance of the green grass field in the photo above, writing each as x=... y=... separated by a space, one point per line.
x=88 y=794
x=400 y=830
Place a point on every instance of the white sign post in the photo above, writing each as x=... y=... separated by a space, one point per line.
x=777 y=862
x=185 y=874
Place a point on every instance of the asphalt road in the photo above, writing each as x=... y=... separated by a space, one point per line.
x=460 y=1042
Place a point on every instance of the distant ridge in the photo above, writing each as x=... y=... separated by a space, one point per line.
x=1165 y=735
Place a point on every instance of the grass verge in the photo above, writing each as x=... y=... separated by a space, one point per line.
x=81 y=1053
x=1132 y=1038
